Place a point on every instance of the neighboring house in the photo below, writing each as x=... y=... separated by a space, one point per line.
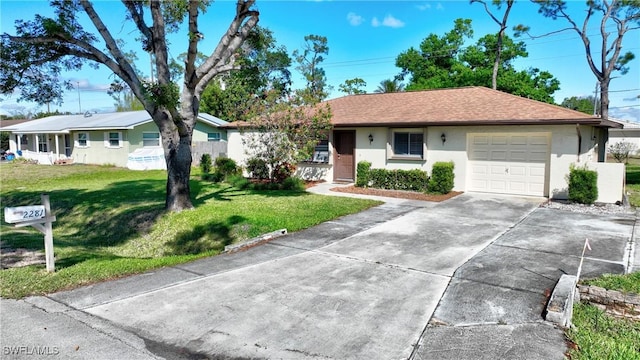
x=630 y=132
x=499 y=143
x=103 y=138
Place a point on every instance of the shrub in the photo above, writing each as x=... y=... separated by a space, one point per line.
x=257 y=168
x=205 y=164
x=239 y=182
x=583 y=185
x=283 y=171
x=226 y=166
x=415 y=180
x=216 y=176
x=363 y=173
x=294 y=184
x=621 y=150
x=442 y=176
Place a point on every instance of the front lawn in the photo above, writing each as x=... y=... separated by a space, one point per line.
x=633 y=183
x=110 y=222
x=597 y=335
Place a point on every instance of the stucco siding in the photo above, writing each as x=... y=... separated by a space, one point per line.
x=235 y=147
x=135 y=135
x=610 y=188
x=201 y=130
x=98 y=153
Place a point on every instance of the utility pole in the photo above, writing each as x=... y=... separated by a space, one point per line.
x=79 y=104
x=595 y=100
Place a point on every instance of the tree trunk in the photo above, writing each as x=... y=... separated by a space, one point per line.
x=604 y=98
x=496 y=63
x=178 y=160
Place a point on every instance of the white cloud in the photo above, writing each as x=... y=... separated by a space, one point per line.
x=86 y=85
x=424 y=7
x=626 y=113
x=388 y=21
x=354 y=19
x=439 y=7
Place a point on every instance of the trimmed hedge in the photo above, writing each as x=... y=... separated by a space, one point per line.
x=442 y=176
x=414 y=180
x=363 y=174
x=583 y=185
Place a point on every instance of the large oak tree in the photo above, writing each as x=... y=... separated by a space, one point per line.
x=33 y=59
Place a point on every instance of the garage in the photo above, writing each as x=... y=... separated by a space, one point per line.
x=508 y=163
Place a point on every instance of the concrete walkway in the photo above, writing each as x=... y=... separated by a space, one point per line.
x=463 y=279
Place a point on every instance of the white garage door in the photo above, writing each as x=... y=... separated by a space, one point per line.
x=510 y=163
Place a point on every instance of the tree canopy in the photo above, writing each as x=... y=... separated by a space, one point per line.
x=309 y=60
x=443 y=62
x=390 y=85
x=353 y=86
x=583 y=104
x=264 y=71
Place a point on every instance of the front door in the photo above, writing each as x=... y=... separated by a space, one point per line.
x=344 y=142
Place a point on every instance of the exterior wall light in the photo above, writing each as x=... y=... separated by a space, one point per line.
x=370 y=138
x=443 y=137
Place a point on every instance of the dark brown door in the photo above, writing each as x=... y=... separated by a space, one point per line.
x=343 y=159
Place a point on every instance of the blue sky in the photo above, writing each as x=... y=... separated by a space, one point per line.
x=364 y=38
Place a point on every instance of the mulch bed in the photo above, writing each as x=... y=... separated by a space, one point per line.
x=411 y=195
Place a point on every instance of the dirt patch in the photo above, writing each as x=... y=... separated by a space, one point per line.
x=410 y=195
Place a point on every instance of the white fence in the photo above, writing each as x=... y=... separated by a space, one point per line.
x=43 y=158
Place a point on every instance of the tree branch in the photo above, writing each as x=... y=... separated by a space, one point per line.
x=124 y=67
x=137 y=16
x=238 y=31
x=192 y=51
x=486 y=8
x=158 y=36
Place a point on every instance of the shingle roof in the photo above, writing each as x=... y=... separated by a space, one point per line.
x=461 y=106
x=100 y=121
x=4 y=123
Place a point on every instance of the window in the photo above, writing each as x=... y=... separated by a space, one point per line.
x=408 y=144
x=82 y=139
x=42 y=143
x=321 y=152
x=213 y=136
x=113 y=139
x=150 y=139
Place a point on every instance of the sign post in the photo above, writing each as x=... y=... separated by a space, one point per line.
x=38 y=216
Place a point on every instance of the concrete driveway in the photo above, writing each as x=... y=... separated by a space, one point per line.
x=466 y=278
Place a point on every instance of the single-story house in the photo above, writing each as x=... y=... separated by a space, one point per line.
x=106 y=138
x=499 y=143
x=630 y=132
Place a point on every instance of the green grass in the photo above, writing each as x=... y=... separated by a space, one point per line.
x=624 y=283
x=111 y=223
x=600 y=337
x=633 y=182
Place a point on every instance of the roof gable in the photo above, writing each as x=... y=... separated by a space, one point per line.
x=461 y=106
